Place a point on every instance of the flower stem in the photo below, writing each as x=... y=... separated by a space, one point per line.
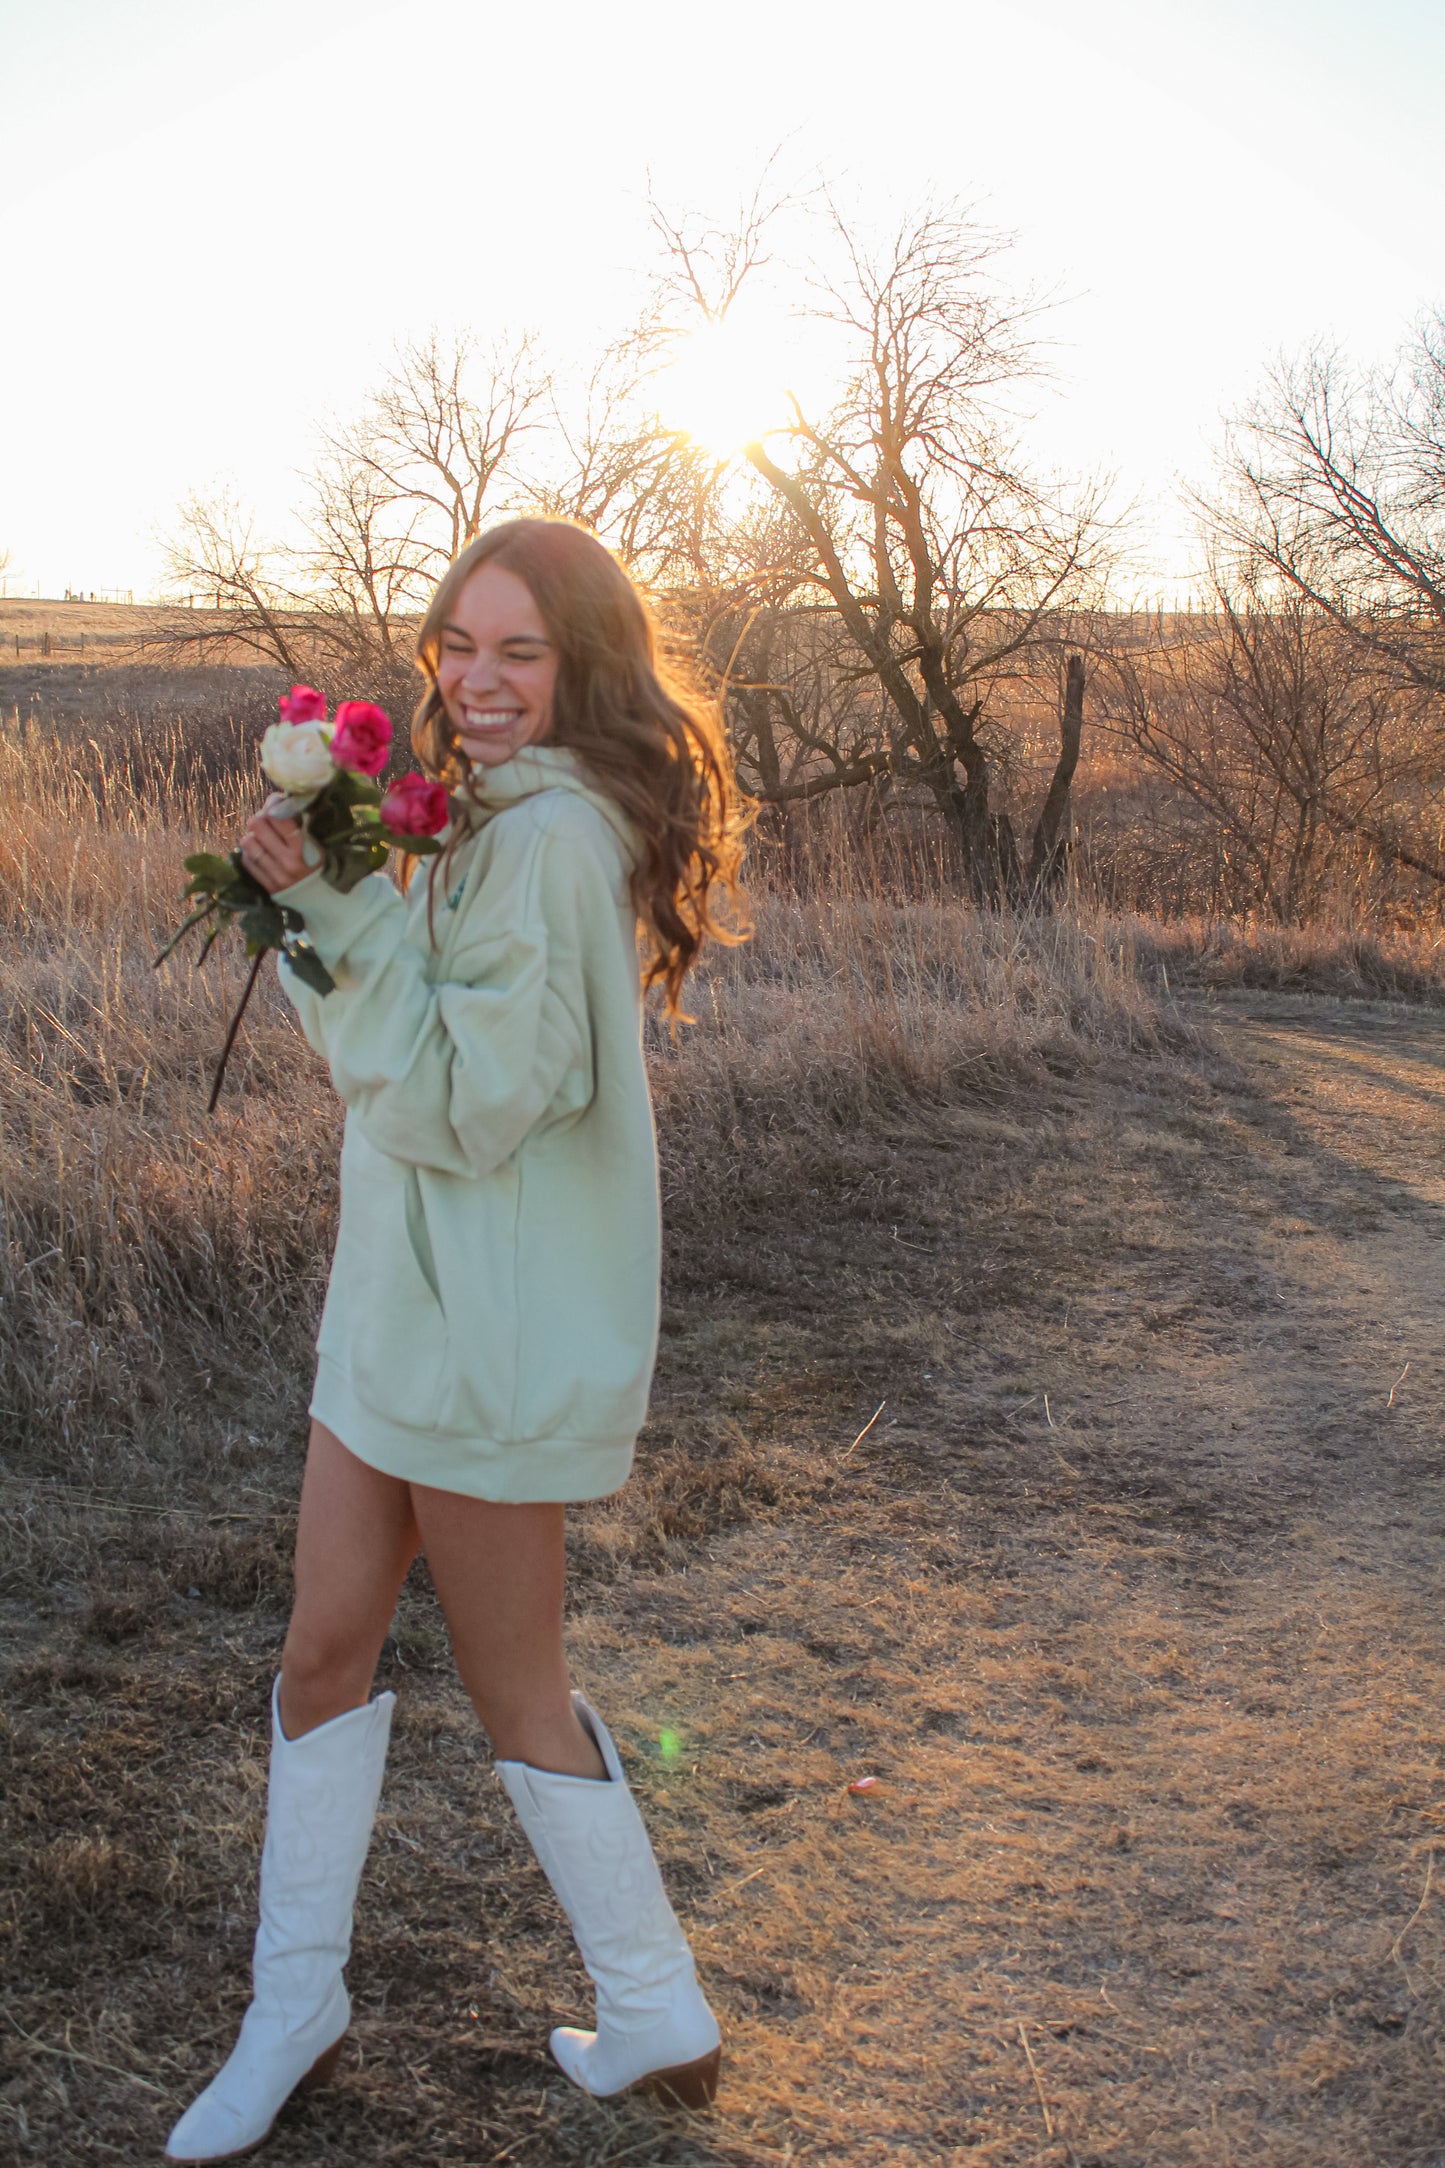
x=220 y=1077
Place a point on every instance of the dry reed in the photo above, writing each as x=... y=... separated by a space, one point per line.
x=158 y=1265
x=161 y=1271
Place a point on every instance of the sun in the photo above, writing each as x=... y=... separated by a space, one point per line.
x=724 y=386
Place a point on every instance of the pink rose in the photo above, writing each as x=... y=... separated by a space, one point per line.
x=415 y=807
x=303 y=704
x=363 y=737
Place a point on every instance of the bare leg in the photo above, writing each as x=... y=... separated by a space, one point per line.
x=499 y=1573
x=355 y=1541
x=357 y=1536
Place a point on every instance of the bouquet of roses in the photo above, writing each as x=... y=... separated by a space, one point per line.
x=325 y=772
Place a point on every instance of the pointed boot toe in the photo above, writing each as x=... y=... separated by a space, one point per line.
x=593 y=2069
x=321 y=1804
x=654 y=2029
x=211 y=2130
x=240 y=2105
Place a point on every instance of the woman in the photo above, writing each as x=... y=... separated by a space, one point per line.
x=491 y=1321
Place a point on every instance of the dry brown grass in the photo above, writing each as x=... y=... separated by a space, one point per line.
x=1348 y=962
x=1130 y=1596
x=156 y=1256
x=42 y=640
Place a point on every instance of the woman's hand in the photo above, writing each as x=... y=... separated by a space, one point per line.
x=273 y=848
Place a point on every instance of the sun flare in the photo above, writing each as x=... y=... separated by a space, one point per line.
x=724 y=386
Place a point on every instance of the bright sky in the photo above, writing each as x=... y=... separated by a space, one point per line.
x=220 y=218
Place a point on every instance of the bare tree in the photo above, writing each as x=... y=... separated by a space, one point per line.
x=930 y=562
x=441 y=438
x=612 y=464
x=1049 y=853
x=1303 y=757
x=863 y=591
x=1338 y=481
x=705 y=266
x=366 y=557
x=453 y=436
x=216 y=555
x=396 y=495
x=1303 y=718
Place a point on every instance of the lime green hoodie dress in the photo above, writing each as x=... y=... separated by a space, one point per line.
x=491 y=1319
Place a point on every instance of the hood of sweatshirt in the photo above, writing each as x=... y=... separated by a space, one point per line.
x=537 y=768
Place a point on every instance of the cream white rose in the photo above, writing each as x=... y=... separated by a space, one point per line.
x=297 y=757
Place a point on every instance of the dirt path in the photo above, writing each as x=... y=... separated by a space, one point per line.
x=1131 y=1599
x=1152 y=1684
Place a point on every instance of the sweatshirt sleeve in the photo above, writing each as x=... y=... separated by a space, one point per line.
x=453 y=1075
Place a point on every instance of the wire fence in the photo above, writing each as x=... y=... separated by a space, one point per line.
x=121 y=597
x=49 y=646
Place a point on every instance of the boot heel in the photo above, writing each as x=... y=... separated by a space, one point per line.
x=688 y=2085
x=323 y=2070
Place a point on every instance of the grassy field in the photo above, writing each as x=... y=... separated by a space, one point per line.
x=1047 y=1425
x=105 y=634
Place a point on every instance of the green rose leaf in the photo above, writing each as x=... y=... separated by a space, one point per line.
x=325 y=823
x=237 y=891
x=414 y=846
x=263 y=927
x=208 y=872
x=353 y=865
x=308 y=967
x=352 y=790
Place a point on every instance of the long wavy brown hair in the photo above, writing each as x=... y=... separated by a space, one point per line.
x=643 y=734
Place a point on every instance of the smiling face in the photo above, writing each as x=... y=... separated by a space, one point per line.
x=497 y=668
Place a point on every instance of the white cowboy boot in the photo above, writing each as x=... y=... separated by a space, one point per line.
x=320 y=1807
x=654 y=2028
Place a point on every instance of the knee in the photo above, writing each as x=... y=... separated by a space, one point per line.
x=325 y=1669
